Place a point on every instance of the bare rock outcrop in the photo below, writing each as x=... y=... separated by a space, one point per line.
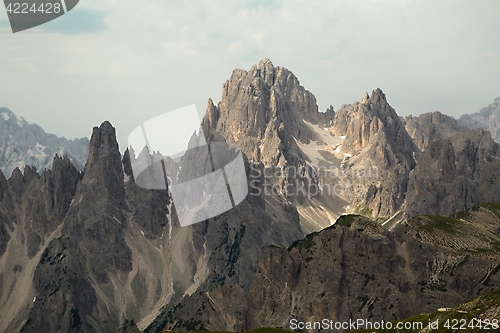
x=488 y=118
x=23 y=144
x=458 y=169
x=263 y=110
x=357 y=269
x=376 y=139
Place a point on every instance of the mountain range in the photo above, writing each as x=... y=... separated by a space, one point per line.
x=23 y=144
x=487 y=118
x=352 y=213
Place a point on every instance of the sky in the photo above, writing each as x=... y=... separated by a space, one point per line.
x=129 y=61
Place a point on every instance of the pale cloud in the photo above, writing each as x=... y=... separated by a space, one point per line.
x=24 y=64
x=101 y=58
x=180 y=49
x=80 y=21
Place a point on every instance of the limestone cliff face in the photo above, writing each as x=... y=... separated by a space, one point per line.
x=33 y=207
x=6 y=217
x=86 y=252
x=91 y=247
x=379 y=155
x=263 y=110
x=432 y=126
x=459 y=167
x=83 y=252
x=376 y=139
x=364 y=122
x=357 y=269
x=488 y=118
x=71 y=261
x=268 y=115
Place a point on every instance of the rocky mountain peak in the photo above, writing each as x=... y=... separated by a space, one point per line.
x=212 y=113
x=487 y=118
x=92 y=247
x=11 y=119
x=103 y=170
x=265 y=70
x=101 y=191
x=374 y=137
x=496 y=102
x=367 y=120
x=22 y=143
x=103 y=146
x=265 y=62
x=365 y=98
x=378 y=97
x=456 y=163
x=432 y=126
x=264 y=110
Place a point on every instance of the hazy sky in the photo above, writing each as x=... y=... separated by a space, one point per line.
x=129 y=61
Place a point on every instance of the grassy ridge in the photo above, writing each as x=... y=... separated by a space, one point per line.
x=470 y=223
x=257 y=330
x=466 y=313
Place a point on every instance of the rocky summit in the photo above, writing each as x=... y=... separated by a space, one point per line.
x=488 y=118
x=23 y=144
x=86 y=251
x=353 y=213
x=264 y=110
x=371 y=160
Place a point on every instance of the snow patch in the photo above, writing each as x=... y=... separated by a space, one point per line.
x=325 y=141
x=39 y=146
x=5 y=116
x=391 y=218
x=20 y=121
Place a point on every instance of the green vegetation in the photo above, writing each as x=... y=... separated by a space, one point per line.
x=465 y=215
x=76 y=321
x=442 y=223
x=306 y=243
x=269 y=330
x=167 y=331
x=346 y=220
x=465 y=226
x=464 y=313
x=365 y=211
x=234 y=251
x=493 y=206
x=258 y=330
